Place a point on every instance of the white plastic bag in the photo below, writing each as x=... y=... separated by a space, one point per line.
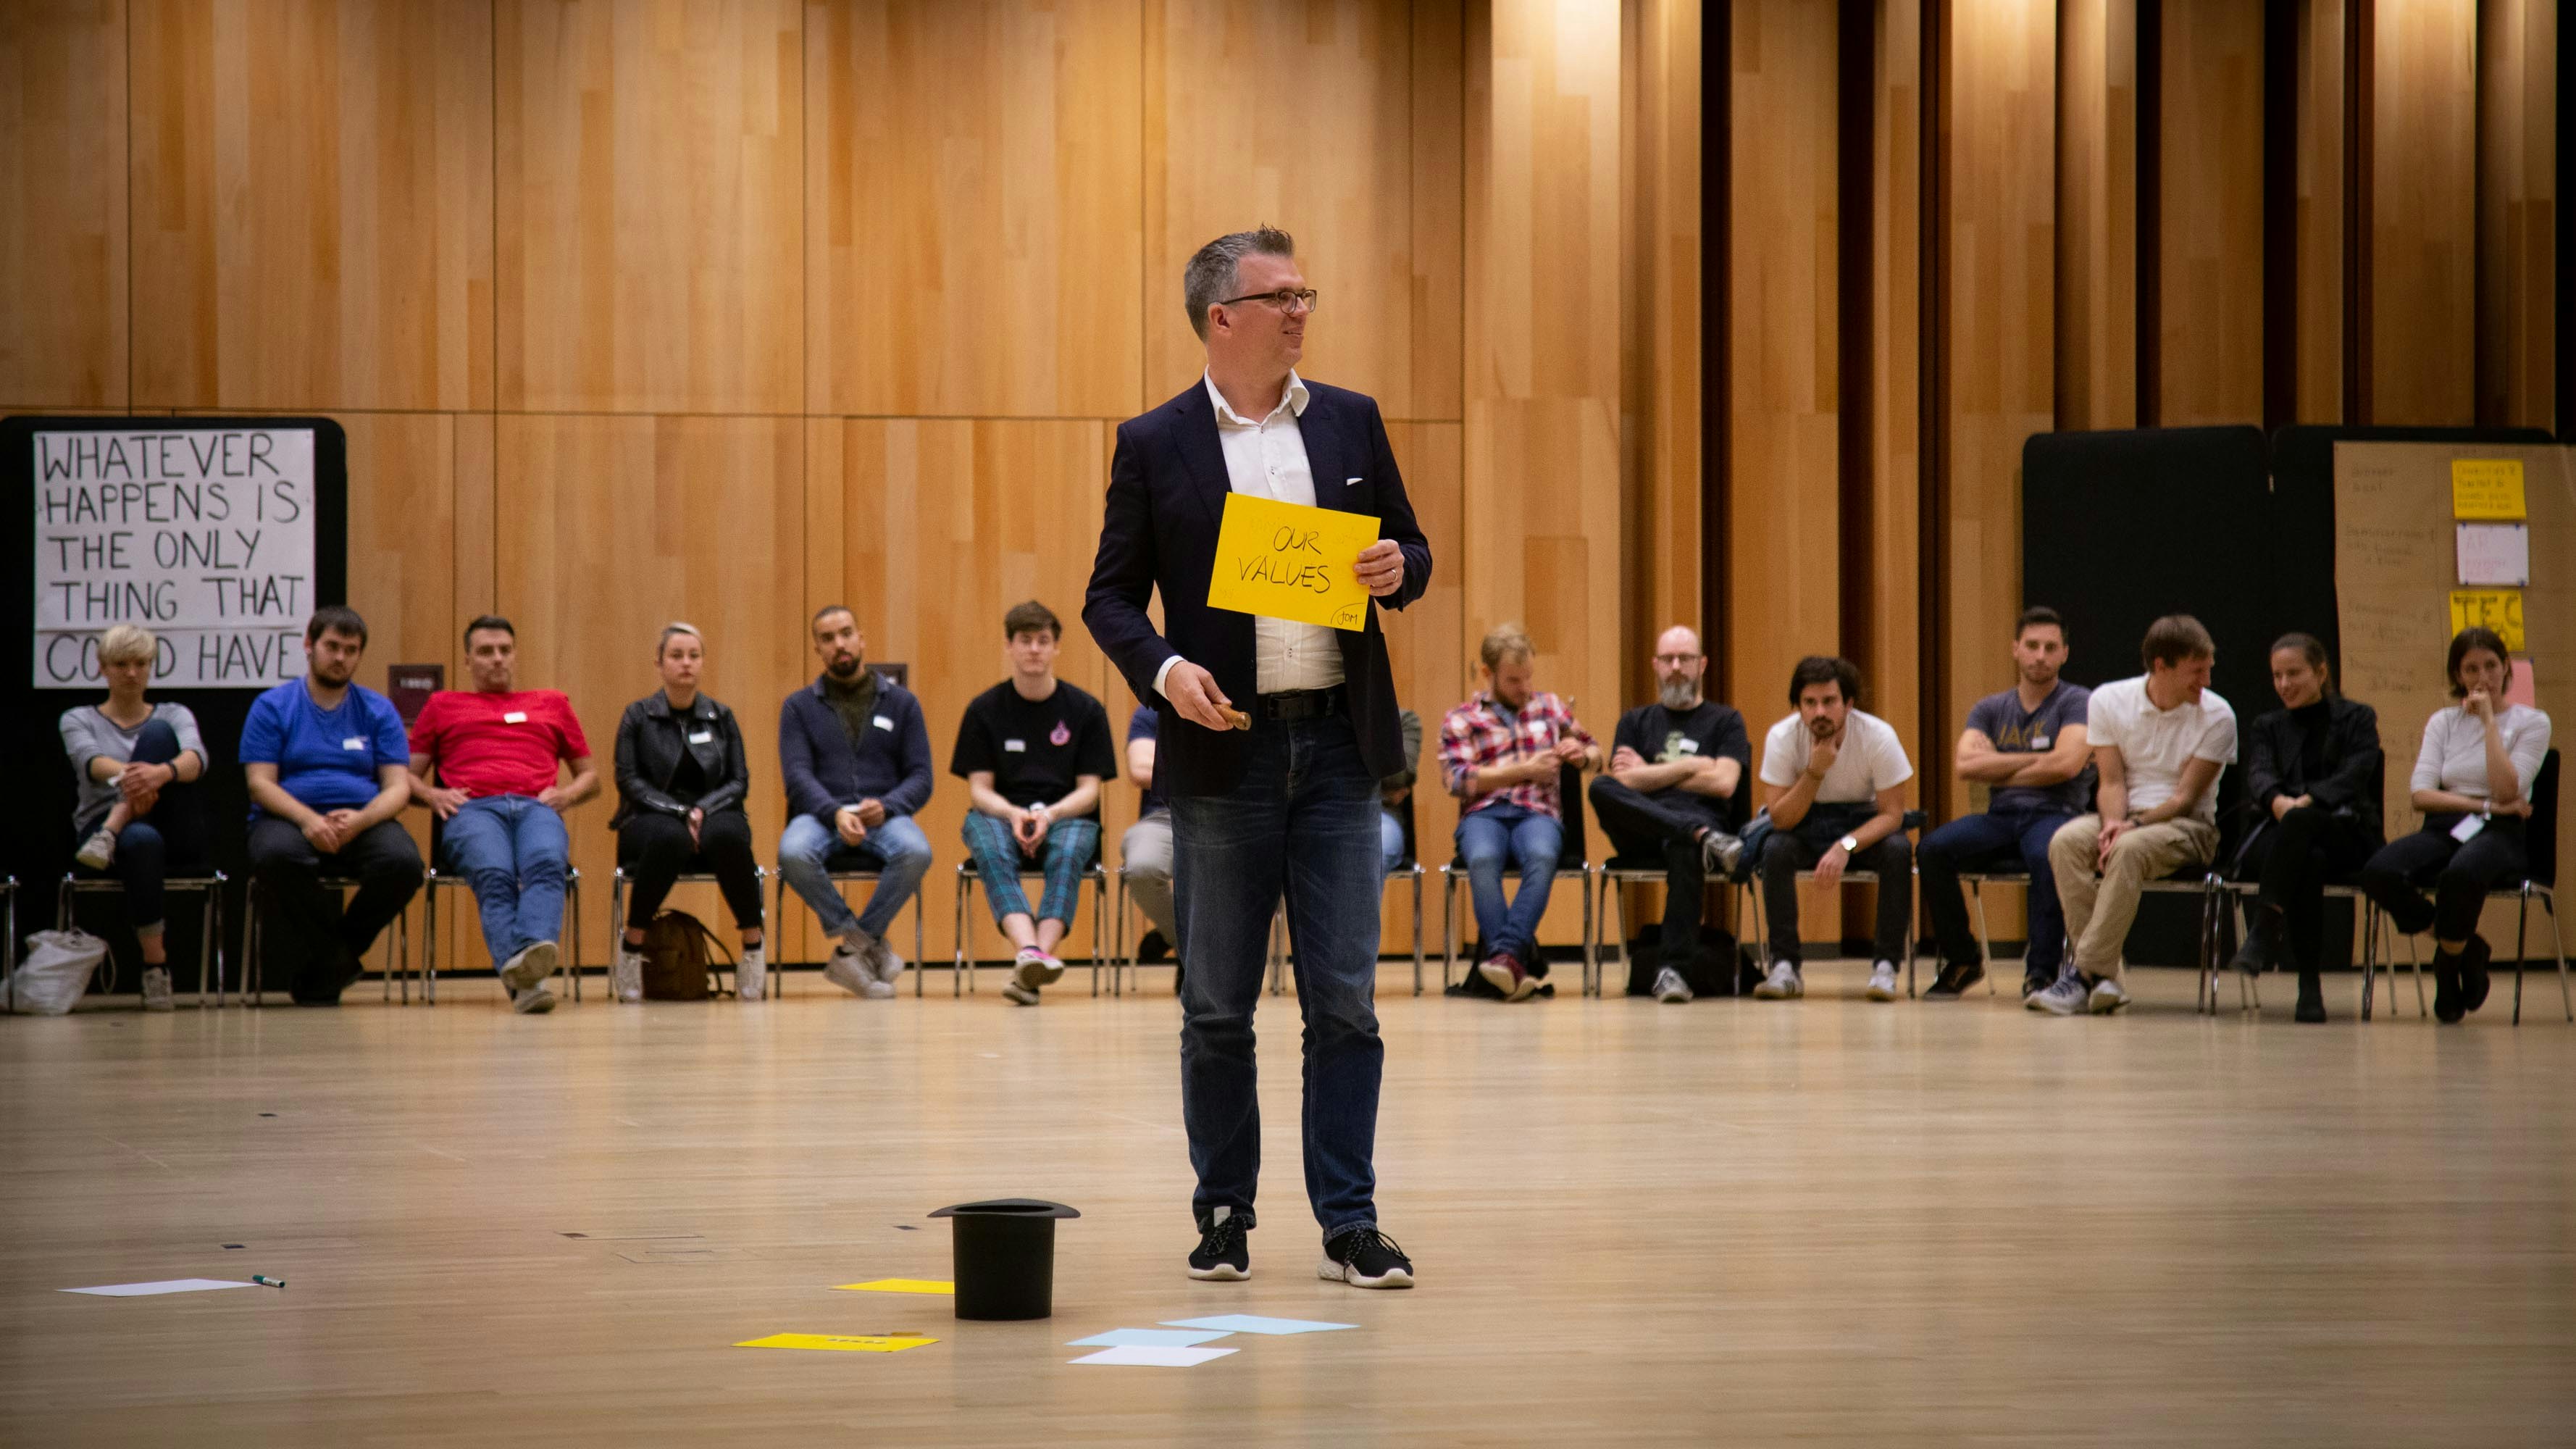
x=55 y=971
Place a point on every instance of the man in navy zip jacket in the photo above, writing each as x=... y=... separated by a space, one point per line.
x=1283 y=801
x=856 y=757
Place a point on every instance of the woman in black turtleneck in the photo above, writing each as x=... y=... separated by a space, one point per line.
x=2313 y=771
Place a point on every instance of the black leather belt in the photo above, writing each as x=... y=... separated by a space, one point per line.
x=1297 y=704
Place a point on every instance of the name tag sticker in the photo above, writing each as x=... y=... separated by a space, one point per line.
x=1016 y=747
x=354 y=742
x=702 y=737
x=516 y=716
x=2469 y=826
x=1690 y=746
x=883 y=723
x=2039 y=742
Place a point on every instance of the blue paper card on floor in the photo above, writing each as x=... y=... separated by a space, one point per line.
x=1254 y=1323
x=1147 y=1338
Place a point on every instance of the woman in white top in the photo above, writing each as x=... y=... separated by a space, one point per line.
x=2473 y=782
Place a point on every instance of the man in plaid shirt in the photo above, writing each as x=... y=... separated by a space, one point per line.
x=1500 y=752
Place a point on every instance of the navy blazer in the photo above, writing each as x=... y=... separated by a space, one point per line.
x=1167 y=490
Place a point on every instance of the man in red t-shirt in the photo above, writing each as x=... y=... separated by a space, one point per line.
x=496 y=750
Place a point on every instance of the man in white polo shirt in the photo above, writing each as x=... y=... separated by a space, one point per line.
x=2159 y=741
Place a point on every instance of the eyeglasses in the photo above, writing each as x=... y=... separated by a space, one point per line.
x=1676 y=661
x=1288 y=302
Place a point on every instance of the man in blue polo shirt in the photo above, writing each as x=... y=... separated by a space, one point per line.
x=328 y=765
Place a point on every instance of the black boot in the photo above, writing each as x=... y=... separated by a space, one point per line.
x=2262 y=942
x=2312 y=998
x=2473 y=974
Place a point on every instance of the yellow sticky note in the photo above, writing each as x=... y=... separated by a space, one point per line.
x=901 y=1285
x=838 y=1342
x=1287 y=561
x=2497 y=609
x=2487 y=488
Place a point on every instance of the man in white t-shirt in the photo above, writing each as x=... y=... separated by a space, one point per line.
x=1833 y=785
x=2159 y=741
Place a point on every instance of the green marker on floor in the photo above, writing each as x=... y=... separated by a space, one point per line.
x=268 y=1282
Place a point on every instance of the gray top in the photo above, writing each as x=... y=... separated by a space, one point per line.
x=88 y=734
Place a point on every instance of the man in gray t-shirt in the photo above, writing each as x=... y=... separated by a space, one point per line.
x=2027 y=746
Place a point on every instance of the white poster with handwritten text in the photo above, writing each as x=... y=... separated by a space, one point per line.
x=202 y=535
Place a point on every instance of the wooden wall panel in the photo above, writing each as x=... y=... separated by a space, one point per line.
x=1895 y=382
x=316 y=184
x=1430 y=656
x=946 y=524
x=1439 y=208
x=609 y=528
x=2211 y=322
x=2423 y=304
x=63 y=233
x=2097 y=211
x=1660 y=436
x=2321 y=197
x=2518 y=100
x=1542 y=448
x=973 y=232
x=650 y=199
x=1310 y=127
x=2001 y=314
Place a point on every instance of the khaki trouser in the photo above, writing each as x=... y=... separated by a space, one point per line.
x=2099 y=909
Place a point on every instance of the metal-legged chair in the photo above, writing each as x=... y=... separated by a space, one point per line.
x=1627 y=871
x=1098 y=879
x=845 y=878
x=2540 y=882
x=1453 y=875
x=568 y=961
x=617 y=905
x=254 y=966
x=211 y=919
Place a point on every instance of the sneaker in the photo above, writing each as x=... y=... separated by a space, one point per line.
x=1222 y=1256
x=848 y=969
x=1365 y=1258
x=1024 y=995
x=626 y=976
x=1954 y=981
x=882 y=963
x=878 y=990
x=1670 y=988
x=534 y=963
x=2064 y=996
x=1504 y=972
x=2033 y=983
x=97 y=851
x=2473 y=974
x=2106 y=997
x=1782 y=983
x=156 y=988
x=1719 y=851
x=1035 y=968
x=1882 y=981
x=751 y=975
x=534 y=1001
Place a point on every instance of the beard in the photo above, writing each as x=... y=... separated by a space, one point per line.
x=2039 y=673
x=846 y=669
x=1678 y=694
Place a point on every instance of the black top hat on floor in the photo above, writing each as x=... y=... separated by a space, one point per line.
x=1005 y=1256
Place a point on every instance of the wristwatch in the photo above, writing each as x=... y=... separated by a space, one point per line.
x=1850 y=844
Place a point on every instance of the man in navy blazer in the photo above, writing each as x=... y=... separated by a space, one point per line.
x=1288 y=805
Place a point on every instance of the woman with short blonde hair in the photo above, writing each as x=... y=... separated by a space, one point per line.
x=138 y=811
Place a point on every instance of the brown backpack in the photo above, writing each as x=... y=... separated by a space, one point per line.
x=679 y=955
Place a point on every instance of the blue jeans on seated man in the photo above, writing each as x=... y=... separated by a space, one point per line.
x=896 y=849
x=1516 y=835
x=514 y=853
x=1390 y=840
x=1302 y=822
x=2002 y=841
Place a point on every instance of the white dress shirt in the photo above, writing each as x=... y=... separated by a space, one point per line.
x=1268 y=459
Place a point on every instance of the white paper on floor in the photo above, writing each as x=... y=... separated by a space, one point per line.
x=1255 y=1323
x=1143 y=1356
x=1146 y=1338
x=167 y=1285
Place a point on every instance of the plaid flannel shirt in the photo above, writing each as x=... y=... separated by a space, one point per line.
x=1473 y=736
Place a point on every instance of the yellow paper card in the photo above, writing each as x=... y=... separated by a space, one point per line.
x=2497 y=609
x=838 y=1342
x=1288 y=561
x=2487 y=488
x=900 y=1285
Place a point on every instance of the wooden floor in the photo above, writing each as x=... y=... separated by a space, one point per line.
x=1825 y=1221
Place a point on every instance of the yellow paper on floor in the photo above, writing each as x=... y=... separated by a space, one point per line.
x=1289 y=561
x=838 y=1342
x=900 y=1285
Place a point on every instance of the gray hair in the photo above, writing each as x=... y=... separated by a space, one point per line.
x=663 y=644
x=1211 y=275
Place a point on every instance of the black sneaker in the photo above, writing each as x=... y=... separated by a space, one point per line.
x=1365 y=1258
x=1222 y=1255
x=1954 y=980
x=1152 y=947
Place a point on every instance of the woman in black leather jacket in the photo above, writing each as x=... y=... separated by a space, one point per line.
x=2313 y=774
x=681 y=779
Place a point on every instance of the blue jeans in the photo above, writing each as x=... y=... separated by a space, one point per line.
x=1994 y=841
x=1515 y=835
x=896 y=849
x=513 y=852
x=1303 y=823
x=1390 y=841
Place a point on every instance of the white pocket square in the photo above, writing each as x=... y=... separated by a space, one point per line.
x=1352 y=482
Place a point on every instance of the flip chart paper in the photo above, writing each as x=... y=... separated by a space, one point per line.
x=166 y=1285
x=2497 y=609
x=838 y=1342
x=2495 y=553
x=2487 y=488
x=899 y=1285
x=1146 y=1338
x=1255 y=1323
x=1140 y=1357
x=1288 y=561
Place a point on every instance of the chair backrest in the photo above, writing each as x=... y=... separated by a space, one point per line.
x=2540 y=834
x=1404 y=817
x=1569 y=797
